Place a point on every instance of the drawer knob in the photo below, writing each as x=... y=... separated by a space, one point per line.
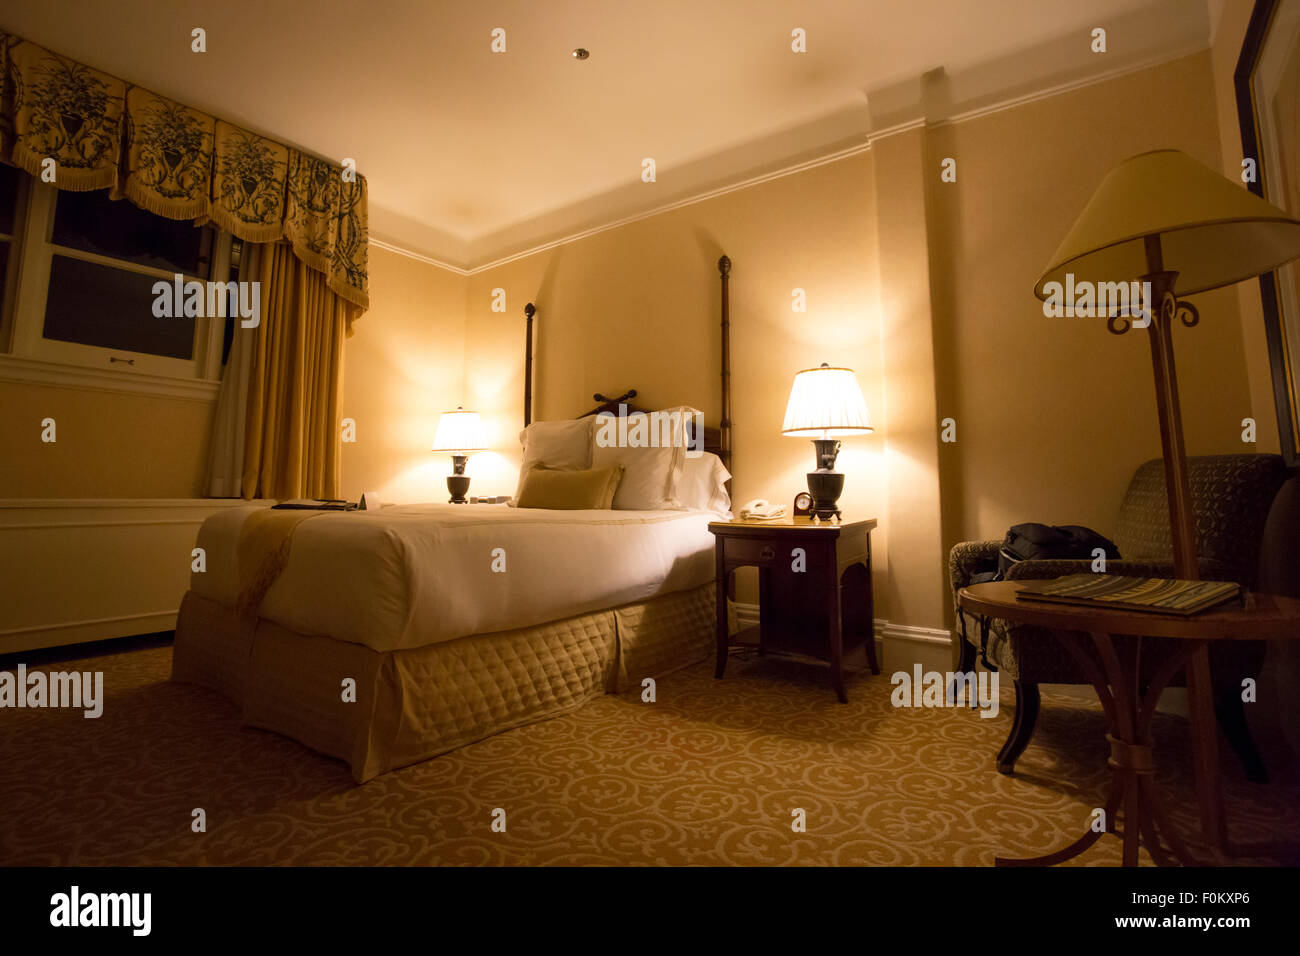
x=767 y=553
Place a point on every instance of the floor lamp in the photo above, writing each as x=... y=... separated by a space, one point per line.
x=1176 y=227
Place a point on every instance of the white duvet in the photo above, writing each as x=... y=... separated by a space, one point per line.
x=411 y=575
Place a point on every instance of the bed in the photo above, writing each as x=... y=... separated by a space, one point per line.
x=385 y=638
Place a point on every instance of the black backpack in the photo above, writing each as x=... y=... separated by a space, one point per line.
x=1031 y=540
x=1028 y=541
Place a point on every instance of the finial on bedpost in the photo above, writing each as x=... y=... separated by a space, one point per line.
x=530 y=310
x=724 y=265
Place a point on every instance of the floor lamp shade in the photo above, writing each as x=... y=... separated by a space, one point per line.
x=1212 y=232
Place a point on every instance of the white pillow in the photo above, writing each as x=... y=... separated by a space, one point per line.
x=649 y=476
x=561 y=446
x=703 y=484
x=652 y=470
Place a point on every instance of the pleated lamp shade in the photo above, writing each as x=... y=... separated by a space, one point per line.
x=459 y=433
x=826 y=403
x=1213 y=232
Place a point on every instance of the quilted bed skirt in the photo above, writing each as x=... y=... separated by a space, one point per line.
x=412 y=704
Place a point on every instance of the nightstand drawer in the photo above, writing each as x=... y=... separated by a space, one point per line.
x=776 y=549
x=753 y=550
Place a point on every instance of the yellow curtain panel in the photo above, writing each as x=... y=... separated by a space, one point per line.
x=291 y=442
x=178 y=162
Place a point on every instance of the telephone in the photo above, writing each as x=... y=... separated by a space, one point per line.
x=762 y=510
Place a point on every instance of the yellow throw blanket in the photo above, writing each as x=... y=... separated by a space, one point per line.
x=263 y=553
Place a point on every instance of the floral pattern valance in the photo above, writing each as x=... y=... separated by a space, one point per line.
x=178 y=162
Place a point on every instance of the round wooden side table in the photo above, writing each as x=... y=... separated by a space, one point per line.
x=1129 y=707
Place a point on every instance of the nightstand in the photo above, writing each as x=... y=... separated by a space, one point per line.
x=814 y=589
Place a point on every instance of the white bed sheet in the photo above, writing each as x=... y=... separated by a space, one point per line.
x=411 y=575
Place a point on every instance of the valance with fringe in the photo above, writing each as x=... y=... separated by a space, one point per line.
x=178 y=162
x=66 y=112
x=168 y=156
x=248 y=184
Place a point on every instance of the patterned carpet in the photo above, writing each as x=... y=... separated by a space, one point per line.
x=709 y=774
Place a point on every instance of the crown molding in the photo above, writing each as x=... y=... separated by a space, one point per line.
x=1070 y=86
x=417 y=256
x=835 y=154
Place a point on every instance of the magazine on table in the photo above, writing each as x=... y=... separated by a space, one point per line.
x=1158 y=595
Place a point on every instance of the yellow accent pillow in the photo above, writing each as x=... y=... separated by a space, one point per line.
x=592 y=489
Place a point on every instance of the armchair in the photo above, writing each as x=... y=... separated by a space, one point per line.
x=1231 y=496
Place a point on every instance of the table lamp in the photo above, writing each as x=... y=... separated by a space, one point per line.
x=825 y=405
x=1163 y=218
x=458 y=433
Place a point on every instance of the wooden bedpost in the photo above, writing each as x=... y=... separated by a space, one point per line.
x=724 y=269
x=529 y=311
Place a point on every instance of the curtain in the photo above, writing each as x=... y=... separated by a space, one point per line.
x=277 y=427
x=178 y=162
x=226 y=452
x=291 y=447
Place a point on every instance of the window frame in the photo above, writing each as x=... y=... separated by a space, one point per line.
x=25 y=353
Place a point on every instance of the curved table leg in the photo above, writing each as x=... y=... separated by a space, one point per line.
x=1128 y=719
x=1079 y=845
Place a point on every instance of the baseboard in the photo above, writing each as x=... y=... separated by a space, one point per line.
x=915 y=635
x=43 y=636
x=897 y=642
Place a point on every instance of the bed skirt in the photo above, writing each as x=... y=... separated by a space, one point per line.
x=412 y=704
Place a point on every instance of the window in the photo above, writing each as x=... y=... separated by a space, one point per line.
x=79 y=271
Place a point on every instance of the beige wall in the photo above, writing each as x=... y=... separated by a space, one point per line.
x=1054 y=414
x=109 y=444
x=402 y=367
x=924 y=288
x=915 y=590
x=638 y=307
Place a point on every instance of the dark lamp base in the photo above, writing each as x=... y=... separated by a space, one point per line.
x=458 y=481
x=825 y=488
x=458 y=485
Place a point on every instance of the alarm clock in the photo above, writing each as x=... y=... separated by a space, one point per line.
x=803 y=504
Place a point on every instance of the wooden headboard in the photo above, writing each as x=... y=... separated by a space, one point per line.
x=611 y=406
x=716 y=440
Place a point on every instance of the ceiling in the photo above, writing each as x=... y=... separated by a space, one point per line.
x=473 y=155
